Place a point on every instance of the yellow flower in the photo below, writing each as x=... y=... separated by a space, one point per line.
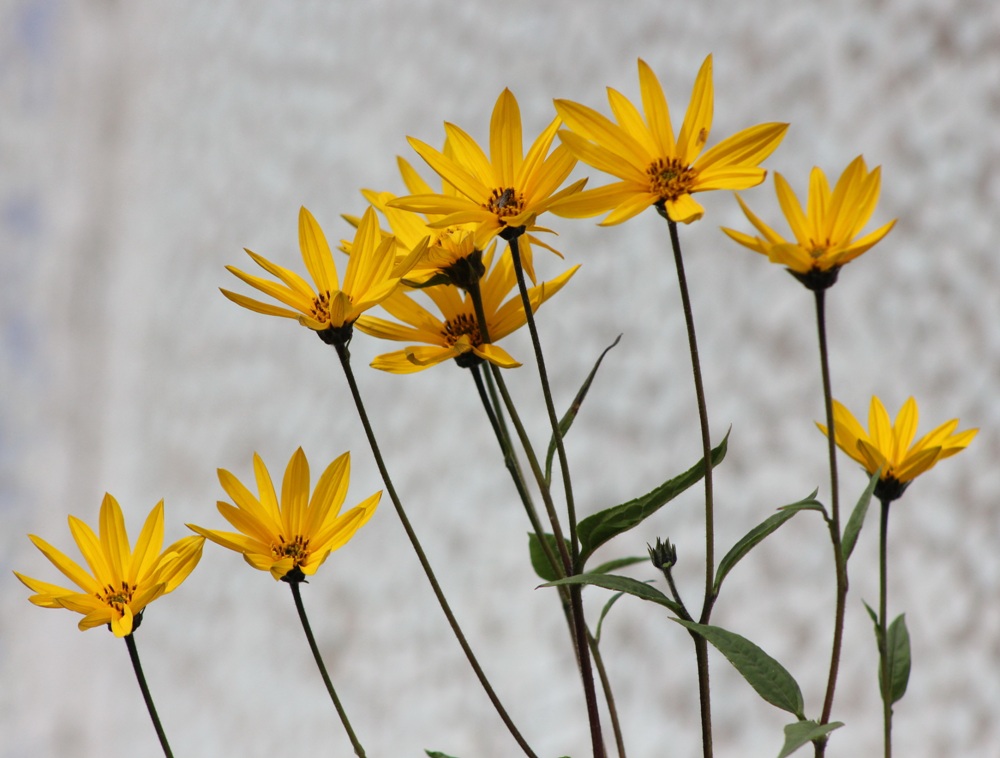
x=293 y=538
x=121 y=582
x=654 y=168
x=505 y=191
x=457 y=335
x=372 y=274
x=826 y=234
x=890 y=447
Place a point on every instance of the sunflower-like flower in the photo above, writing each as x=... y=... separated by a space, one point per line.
x=121 y=581
x=656 y=169
x=456 y=334
x=372 y=274
x=291 y=539
x=504 y=192
x=826 y=233
x=889 y=447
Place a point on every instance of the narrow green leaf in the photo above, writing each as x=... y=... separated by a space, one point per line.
x=597 y=529
x=539 y=560
x=756 y=535
x=618 y=563
x=567 y=420
x=899 y=658
x=769 y=678
x=802 y=732
x=857 y=519
x=437 y=754
x=604 y=612
x=625 y=584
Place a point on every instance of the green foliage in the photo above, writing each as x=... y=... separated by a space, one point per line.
x=597 y=529
x=897 y=648
x=570 y=416
x=604 y=612
x=540 y=561
x=857 y=519
x=803 y=732
x=756 y=535
x=625 y=584
x=437 y=754
x=769 y=678
x=617 y=563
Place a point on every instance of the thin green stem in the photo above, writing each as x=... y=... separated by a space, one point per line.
x=840 y=562
x=297 y=595
x=700 y=645
x=883 y=643
x=609 y=696
x=345 y=361
x=133 y=653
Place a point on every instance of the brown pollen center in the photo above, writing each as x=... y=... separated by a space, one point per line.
x=670 y=179
x=297 y=549
x=462 y=324
x=504 y=202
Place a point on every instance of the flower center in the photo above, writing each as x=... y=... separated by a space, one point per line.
x=670 y=179
x=462 y=324
x=118 y=597
x=321 y=307
x=504 y=202
x=297 y=549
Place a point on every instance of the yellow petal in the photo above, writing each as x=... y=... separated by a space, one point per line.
x=654 y=103
x=505 y=139
x=316 y=253
x=698 y=118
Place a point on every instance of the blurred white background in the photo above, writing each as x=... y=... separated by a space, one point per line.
x=142 y=145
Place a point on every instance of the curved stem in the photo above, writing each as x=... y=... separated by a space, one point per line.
x=602 y=673
x=840 y=563
x=133 y=653
x=700 y=645
x=345 y=361
x=883 y=645
x=297 y=595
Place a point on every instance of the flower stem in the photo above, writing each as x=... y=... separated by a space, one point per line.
x=297 y=595
x=840 y=563
x=345 y=361
x=133 y=653
x=883 y=645
x=700 y=645
x=576 y=595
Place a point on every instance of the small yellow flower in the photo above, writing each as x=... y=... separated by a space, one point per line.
x=655 y=168
x=890 y=447
x=372 y=274
x=505 y=191
x=293 y=538
x=826 y=234
x=121 y=582
x=457 y=335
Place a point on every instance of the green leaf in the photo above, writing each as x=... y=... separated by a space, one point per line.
x=899 y=658
x=618 y=563
x=768 y=677
x=802 y=732
x=539 y=560
x=597 y=529
x=604 y=612
x=438 y=754
x=625 y=584
x=570 y=416
x=756 y=535
x=857 y=519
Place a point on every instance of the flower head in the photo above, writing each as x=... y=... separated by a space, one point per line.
x=121 y=581
x=826 y=233
x=502 y=192
x=655 y=168
x=889 y=447
x=456 y=334
x=372 y=274
x=293 y=537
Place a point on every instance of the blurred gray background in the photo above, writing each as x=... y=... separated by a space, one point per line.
x=142 y=145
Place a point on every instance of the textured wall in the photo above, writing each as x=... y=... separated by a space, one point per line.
x=143 y=144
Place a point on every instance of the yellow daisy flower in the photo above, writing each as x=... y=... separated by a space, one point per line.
x=372 y=274
x=656 y=169
x=890 y=446
x=457 y=335
x=121 y=581
x=826 y=234
x=503 y=192
x=291 y=539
